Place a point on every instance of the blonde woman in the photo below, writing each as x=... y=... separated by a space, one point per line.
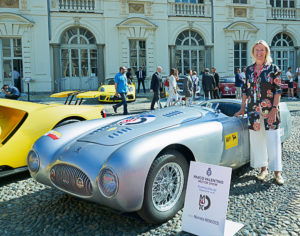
x=262 y=93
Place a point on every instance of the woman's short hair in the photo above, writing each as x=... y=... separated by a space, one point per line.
x=268 y=51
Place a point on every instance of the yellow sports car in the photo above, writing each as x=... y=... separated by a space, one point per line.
x=107 y=93
x=22 y=123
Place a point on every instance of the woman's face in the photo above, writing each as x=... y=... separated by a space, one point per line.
x=260 y=52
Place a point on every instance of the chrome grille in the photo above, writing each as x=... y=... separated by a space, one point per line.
x=71 y=179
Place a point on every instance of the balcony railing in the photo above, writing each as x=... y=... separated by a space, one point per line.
x=76 y=5
x=283 y=13
x=187 y=9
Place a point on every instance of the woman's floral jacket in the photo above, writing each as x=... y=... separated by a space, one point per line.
x=260 y=95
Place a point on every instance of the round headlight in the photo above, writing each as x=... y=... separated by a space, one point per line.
x=131 y=89
x=108 y=182
x=102 y=89
x=226 y=89
x=33 y=161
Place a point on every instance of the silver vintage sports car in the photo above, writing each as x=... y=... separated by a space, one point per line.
x=141 y=162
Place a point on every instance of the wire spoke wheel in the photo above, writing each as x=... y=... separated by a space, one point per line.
x=167 y=186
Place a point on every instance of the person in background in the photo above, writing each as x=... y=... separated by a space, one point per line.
x=172 y=87
x=16 y=76
x=155 y=87
x=11 y=92
x=238 y=83
x=217 y=81
x=188 y=87
x=243 y=74
x=195 y=81
x=290 y=76
x=298 y=76
x=141 y=76
x=262 y=93
x=129 y=76
x=121 y=87
x=208 y=84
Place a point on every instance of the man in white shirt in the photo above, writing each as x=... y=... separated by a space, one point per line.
x=243 y=74
x=289 y=76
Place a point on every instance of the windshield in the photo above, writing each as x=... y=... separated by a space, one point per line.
x=227 y=108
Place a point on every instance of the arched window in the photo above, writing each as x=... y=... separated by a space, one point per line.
x=283 y=52
x=190 y=51
x=78 y=53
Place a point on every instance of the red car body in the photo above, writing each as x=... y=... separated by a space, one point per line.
x=227 y=87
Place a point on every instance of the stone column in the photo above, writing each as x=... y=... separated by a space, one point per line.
x=297 y=65
x=172 y=56
x=208 y=61
x=297 y=55
x=100 y=66
x=56 y=83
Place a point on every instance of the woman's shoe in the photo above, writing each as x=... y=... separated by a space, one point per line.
x=279 y=180
x=262 y=175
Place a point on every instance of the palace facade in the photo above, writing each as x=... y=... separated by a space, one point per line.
x=77 y=44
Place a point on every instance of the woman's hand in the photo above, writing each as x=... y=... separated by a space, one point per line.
x=272 y=116
x=240 y=112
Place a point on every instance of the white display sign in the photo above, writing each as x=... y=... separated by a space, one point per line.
x=206 y=201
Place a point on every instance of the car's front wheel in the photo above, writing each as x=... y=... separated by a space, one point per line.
x=165 y=187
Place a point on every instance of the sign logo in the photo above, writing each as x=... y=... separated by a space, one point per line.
x=52 y=174
x=204 y=202
x=208 y=172
x=137 y=120
x=231 y=140
x=79 y=182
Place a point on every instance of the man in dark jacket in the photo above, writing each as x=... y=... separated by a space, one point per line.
x=188 y=87
x=238 y=83
x=208 y=84
x=216 y=77
x=155 y=87
x=141 y=75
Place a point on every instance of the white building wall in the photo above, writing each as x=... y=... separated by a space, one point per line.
x=113 y=26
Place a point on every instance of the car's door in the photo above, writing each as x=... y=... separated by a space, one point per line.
x=235 y=135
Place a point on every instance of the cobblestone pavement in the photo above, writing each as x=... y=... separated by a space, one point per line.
x=30 y=208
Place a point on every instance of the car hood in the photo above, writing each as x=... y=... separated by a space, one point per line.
x=132 y=127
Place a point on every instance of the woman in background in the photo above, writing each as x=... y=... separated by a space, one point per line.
x=172 y=86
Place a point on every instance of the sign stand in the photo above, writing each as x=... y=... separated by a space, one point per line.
x=206 y=201
x=28 y=80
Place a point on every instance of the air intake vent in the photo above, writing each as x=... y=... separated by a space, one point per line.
x=71 y=180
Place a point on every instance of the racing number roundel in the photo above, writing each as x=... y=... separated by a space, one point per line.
x=142 y=119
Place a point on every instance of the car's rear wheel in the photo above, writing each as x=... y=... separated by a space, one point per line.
x=165 y=187
x=66 y=122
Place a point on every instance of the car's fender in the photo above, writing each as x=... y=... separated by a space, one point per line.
x=133 y=160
